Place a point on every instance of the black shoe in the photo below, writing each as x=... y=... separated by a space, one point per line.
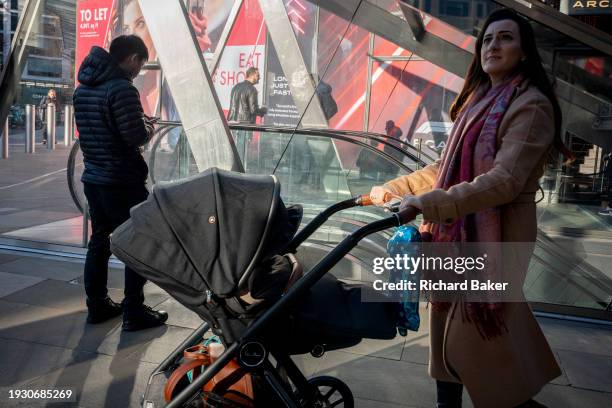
x=102 y=310
x=143 y=318
x=531 y=404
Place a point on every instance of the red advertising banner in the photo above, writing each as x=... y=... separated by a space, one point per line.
x=93 y=22
x=245 y=48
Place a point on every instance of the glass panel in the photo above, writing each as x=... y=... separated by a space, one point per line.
x=303 y=162
x=415 y=95
x=130 y=20
x=35 y=201
x=570 y=266
x=245 y=48
x=342 y=64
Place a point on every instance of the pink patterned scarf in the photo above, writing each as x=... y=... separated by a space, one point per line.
x=471 y=151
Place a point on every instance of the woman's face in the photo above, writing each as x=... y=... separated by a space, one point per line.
x=134 y=23
x=501 y=51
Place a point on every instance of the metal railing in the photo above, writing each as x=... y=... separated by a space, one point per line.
x=368 y=141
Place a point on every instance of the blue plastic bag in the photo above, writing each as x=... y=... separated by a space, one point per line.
x=406 y=240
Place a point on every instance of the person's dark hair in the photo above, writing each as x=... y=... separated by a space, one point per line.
x=531 y=68
x=126 y=45
x=251 y=71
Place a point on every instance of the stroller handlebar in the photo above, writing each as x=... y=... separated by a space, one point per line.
x=363 y=200
x=323 y=216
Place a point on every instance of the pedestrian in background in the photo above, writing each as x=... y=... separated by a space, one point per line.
x=388 y=168
x=48 y=100
x=244 y=108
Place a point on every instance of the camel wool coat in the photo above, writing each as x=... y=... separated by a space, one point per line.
x=512 y=368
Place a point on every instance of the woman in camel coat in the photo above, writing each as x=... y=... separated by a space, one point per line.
x=507 y=97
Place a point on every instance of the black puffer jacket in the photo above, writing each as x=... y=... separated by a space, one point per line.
x=110 y=121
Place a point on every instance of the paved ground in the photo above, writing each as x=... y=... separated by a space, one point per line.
x=44 y=342
x=33 y=187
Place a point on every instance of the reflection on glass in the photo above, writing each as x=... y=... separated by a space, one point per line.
x=35 y=200
x=308 y=166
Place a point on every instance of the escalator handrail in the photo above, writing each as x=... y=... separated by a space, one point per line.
x=382 y=136
x=346 y=133
x=166 y=125
x=325 y=132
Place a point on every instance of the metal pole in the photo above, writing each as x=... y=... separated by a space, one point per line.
x=5 y=140
x=245 y=151
x=85 y=224
x=68 y=124
x=30 y=134
x=419 y=150
x=595 y=168
x=51 y=126
x=368 y=95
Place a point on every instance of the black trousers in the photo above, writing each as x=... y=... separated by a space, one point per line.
x=109 y=207
x=449 y=394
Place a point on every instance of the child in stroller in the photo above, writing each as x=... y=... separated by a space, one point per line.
x=216 y=243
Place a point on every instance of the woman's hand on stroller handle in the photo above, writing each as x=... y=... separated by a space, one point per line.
x=380 y=195
x=390 y=202
x=383 y=197
x=408 y=214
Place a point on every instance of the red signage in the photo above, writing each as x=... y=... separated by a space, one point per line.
x=93 y=26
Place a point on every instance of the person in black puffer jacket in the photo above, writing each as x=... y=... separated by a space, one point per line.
x=112 y=128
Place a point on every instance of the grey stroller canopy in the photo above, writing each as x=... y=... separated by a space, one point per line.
x=206 y=233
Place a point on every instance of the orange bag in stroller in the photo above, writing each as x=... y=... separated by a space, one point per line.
x=232 y=386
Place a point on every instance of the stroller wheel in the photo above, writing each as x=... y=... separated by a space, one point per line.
x=332 y=392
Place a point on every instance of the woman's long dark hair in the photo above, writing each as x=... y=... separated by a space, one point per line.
x=531 y=68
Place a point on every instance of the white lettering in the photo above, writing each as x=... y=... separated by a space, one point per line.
x=488 y=285
x=378 y=269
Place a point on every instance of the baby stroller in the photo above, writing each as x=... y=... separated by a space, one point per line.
x=216 y=243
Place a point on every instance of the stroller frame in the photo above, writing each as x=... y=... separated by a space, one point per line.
x=251 y=353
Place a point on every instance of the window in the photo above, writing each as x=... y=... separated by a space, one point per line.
x=51 y=26
x=44 y=67
x=480 y=10
x=428 y=6
x=455 y=8
x=49 y=47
